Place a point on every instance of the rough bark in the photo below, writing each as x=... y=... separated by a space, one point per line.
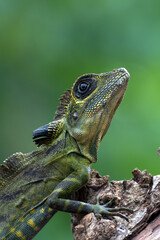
x=141 y=194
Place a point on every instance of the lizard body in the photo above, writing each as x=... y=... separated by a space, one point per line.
x=34 y=186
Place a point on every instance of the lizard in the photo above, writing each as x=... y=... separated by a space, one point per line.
x=34 y=186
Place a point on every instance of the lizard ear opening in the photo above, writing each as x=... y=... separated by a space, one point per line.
x=47 y=133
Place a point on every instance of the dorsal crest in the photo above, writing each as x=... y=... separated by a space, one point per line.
x=10 y=166
x=64 y=101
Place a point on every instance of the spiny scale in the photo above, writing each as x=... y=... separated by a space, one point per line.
x=12 y=163
x=64 y=101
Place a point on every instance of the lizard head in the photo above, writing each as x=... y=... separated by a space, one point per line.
x=93 y=101
x=88 y=108
x=86 y=111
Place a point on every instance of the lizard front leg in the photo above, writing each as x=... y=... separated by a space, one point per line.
x=57 y=200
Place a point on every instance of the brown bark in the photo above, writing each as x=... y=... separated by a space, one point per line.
x=141 y=194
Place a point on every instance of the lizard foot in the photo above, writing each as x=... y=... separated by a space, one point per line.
x=106 y=210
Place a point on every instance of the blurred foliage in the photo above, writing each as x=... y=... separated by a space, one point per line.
x=46 y=45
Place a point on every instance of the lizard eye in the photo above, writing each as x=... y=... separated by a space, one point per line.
x=83 y=87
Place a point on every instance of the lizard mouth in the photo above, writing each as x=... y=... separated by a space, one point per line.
x=110 y=107
x=116 y=91
x=117 y=94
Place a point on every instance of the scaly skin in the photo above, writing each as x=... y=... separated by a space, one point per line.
x=34 y=186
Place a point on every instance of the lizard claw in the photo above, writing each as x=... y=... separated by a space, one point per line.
x=98 y=216
x=108 y=204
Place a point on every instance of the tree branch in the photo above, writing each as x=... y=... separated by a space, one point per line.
x=141 y=194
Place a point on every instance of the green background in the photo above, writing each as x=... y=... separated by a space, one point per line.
x=46 y=45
